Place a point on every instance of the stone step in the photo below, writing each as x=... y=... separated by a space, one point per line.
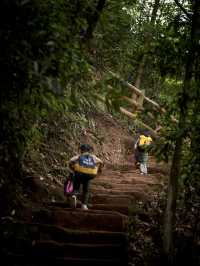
x=124 y=209
x=134 y=193
x=25 y=234
x=121 y=208
x=82 y=220
x=120 y=187
x=102 y=198
x=74 y=250
x=96 y=199
x=27 y=260
x=147 y=180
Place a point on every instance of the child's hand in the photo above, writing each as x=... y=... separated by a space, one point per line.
x=100 y=168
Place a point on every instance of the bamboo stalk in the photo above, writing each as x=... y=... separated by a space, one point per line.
x=140 y=93
x=137 y=91
x=132 y=101
x=126 y=112
x=149 y=114
x=134 y=116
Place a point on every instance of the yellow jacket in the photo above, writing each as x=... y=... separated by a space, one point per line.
x=143 y=140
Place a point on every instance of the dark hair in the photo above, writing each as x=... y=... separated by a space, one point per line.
x=85 y=148
x=146 y=133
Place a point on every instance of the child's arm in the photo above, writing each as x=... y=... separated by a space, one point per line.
x=99 y=163
x=72 y=162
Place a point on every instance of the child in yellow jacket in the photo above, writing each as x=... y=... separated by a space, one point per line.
x=141 y=151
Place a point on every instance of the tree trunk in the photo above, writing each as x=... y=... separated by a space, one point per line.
x=143 y=60
x=169 y=223
x=93 y=20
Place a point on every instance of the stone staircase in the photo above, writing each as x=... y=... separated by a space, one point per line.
x=57 y=235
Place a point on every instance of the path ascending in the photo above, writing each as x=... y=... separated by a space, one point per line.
x=58 y=235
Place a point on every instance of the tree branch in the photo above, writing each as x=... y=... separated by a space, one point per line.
x=183 y=9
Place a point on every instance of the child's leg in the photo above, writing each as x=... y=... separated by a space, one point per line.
x=136 y=156
x=86 y=184
x=143 y=168
x=77 y=183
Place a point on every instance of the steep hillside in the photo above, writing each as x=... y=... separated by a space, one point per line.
x=46 y=166
x=51 y=231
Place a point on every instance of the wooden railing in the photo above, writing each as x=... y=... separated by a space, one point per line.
x=138 y=97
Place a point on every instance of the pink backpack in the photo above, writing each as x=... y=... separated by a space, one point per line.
x=68 y=187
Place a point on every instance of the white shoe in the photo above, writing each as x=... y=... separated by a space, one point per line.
x=84 y=207
x=73 y=202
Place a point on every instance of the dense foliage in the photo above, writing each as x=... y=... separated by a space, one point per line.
x=42 y=70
